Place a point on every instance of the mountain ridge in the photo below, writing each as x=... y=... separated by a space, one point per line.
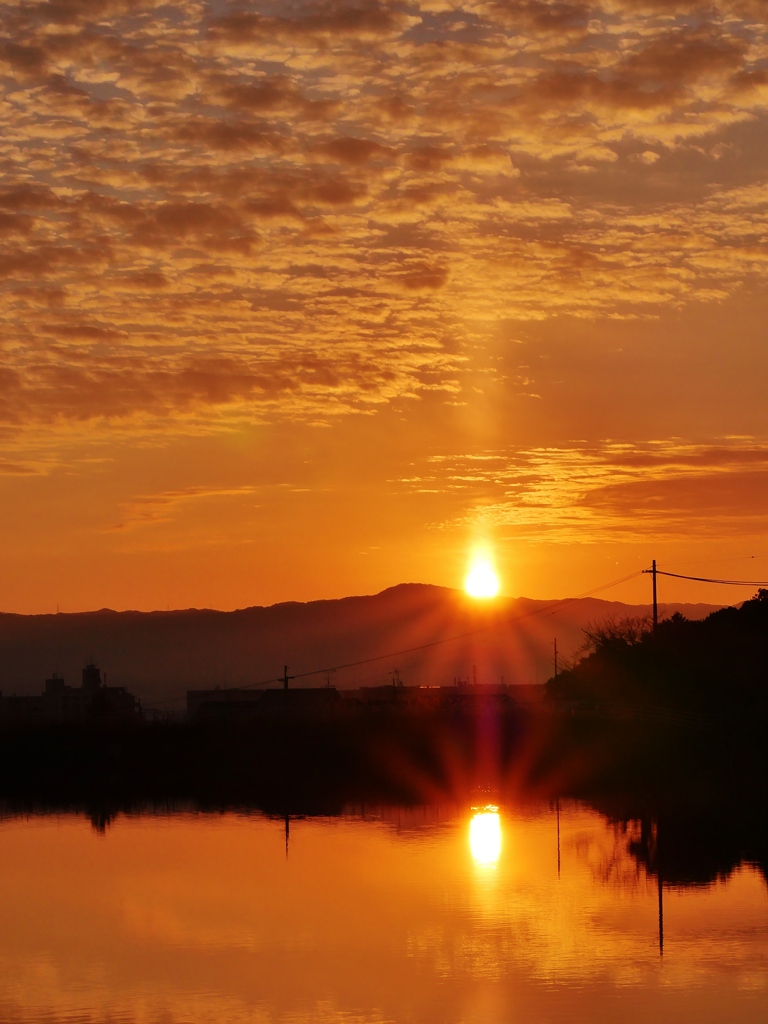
x=160 y=654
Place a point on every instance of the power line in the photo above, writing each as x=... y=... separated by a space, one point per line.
x=704 y=579
x=445 y=639
x=432 y=643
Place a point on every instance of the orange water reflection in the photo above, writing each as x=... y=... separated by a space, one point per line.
x=485 y=836
x=203 y=918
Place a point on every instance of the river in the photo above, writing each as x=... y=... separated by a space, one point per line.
x=436 y=915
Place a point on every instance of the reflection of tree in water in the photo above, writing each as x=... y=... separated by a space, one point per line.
x=616 y=865
x=623 y=857
x=702 y=847
x=692 y=845
x=101 y=817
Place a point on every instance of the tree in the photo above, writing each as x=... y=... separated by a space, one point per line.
x=612 y=633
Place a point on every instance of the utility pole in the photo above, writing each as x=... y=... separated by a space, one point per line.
x=286 y=677
x=652 y=572
x=655 y=603
x=555 y=645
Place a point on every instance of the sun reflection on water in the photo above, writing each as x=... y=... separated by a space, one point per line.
x=485 y=836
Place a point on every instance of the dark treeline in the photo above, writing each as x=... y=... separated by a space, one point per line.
x=716 y=666
x=668 y=721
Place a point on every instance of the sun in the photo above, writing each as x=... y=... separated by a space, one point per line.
x=481 y=580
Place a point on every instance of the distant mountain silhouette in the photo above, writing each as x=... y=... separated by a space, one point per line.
x=158 y=655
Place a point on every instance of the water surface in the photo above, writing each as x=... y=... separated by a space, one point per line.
x=404 y=916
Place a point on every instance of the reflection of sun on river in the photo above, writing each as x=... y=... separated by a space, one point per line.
x=485 y=837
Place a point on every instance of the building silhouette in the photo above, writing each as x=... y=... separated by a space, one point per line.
x=59 y=702
x=323 y=702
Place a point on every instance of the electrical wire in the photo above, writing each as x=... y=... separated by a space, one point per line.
x=445 y=639
x=423 y=647
x=704 y=579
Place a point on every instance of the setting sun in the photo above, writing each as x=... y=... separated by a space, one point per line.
x=481 y=580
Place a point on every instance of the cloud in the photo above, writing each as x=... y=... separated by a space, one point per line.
x=165 y=506
x=588 y=494
x=331 y=202
x=16 y=469
x=349 y=150
x=364 y=21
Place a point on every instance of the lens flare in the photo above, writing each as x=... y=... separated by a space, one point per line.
x=481 y=580
x=485 y=837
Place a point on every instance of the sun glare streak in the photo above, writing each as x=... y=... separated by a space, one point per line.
x=485 y=837
x=481 y=580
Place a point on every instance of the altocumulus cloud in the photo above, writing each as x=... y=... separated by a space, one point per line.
x=585 y=494
x=228 y=212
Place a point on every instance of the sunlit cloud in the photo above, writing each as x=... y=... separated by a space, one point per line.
x=163 y=508
x=294 y=212
x=587 y=494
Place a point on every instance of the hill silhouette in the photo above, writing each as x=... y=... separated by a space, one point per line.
x=158 y=655
x=720 y=662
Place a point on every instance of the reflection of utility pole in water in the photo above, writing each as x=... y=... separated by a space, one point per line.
x=661 y=890
x=287 y=833
x=557 y=807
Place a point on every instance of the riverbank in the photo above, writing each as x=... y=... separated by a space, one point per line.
x=415 y=756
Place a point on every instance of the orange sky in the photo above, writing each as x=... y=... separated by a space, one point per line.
x=301 y=298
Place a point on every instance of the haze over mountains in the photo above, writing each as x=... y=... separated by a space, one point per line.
x=159 y=655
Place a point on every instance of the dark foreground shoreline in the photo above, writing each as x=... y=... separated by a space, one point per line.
x=697 y=796
x=410 y=757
